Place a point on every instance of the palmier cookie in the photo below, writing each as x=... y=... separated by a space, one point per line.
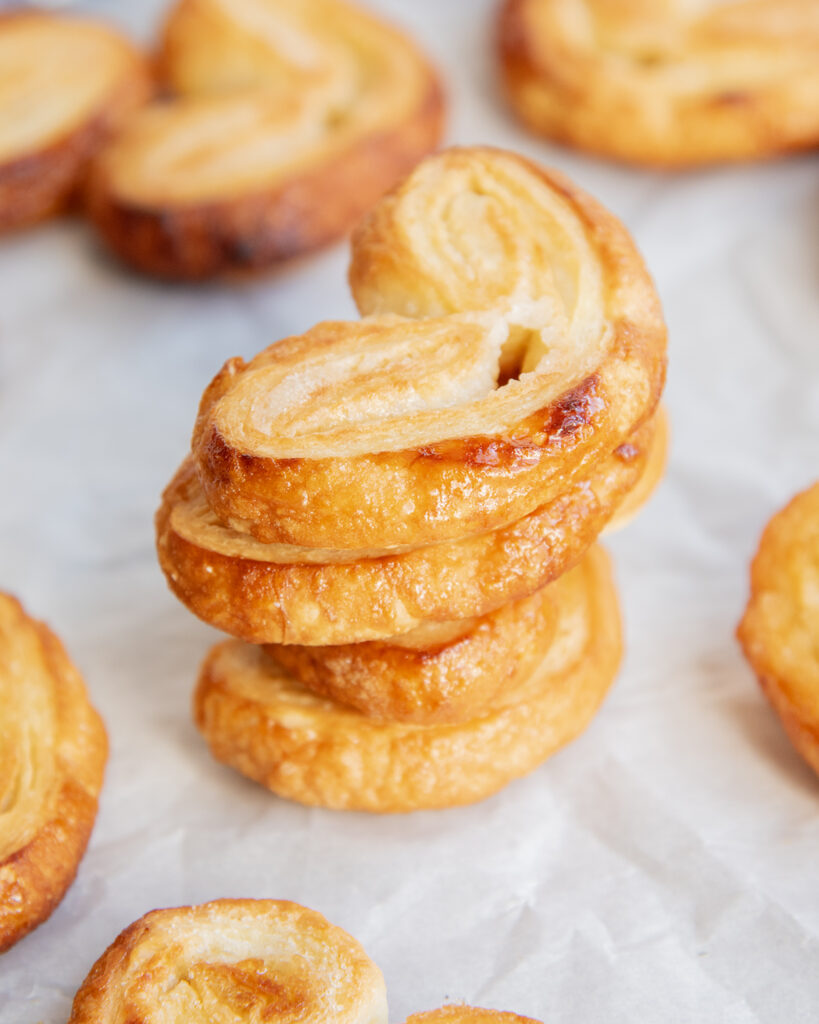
x=233 y=960
x=438 y=672
x=67 y=85
x=259 y=720
x=54 y=750
x=287 y=120
x=669 y=84
x=780 y=629
x=274 y=593
x=511 y=341
x=460 y=1014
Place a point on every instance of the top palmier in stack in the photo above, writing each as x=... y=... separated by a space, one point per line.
x=455 y=450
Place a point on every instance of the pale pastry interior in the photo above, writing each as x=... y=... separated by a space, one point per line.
x=507 y=310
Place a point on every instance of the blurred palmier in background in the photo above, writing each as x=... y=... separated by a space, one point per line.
x=233 y=960
x=780 y=629
x=284 y=121
x=53 y=750
x=666 y=83
x=66 y=85
x=257 y=718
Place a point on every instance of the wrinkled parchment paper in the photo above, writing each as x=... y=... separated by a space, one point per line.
x=665 y=867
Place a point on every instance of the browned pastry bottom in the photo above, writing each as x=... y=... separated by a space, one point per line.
x=229 y=961
x=780 y=629
x=437 y=673
x=54 y=750
x=277 y=594
x=259 y=720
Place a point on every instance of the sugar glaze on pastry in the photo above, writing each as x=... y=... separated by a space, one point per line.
x=53 y=750
x=274 y=593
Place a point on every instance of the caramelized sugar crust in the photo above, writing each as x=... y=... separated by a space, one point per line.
x=67 y=85
x=438 y=672
x=232 y=960
x=288 y=119
x=511 y=341
x=278 y=594
x=261 y=721
x=54 y=752
x=665 y=82
x=779 y=632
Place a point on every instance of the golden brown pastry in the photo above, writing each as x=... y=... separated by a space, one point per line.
x=460 y=1014
x=438 y=672
x=652 y=474
x=511 y=341
x=289 y=119
x=65 y=85
x=780 y=629
x=669 y=83
x=53 y=748
x=283 y=594
x=229 y=961
x=259 y=720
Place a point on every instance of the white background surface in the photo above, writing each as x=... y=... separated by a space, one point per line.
x=665 y=867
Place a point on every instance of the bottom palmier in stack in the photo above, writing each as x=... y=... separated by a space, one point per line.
x=549 y=658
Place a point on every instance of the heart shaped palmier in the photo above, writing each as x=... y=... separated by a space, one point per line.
x=284 y=121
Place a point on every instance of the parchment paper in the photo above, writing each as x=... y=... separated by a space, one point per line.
x=663 y=867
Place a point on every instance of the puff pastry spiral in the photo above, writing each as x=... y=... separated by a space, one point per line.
x=665 y=82
x=289 y=118
x=779 y=631
x=52 y=757
x=65 y=85
x=233 y=961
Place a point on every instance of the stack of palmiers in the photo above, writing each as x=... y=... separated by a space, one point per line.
x=395 y=517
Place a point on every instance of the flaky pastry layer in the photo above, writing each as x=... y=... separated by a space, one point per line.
x=274 y=594
x=233 y=960
x=511 y=340
x=289 y=119
x=66 y=84
x=779 y=631
x=54 y=750
x=439 y=672
x=669 y=83
x=258 y=719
